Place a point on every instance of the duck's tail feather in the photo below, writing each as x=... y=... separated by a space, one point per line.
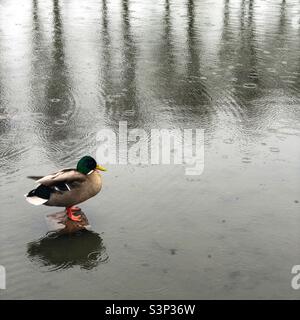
x=35 y=177
x=35 y=200
x=39 y=196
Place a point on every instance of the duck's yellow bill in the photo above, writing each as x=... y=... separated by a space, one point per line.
x=98 y=167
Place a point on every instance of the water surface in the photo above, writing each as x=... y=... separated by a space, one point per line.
x=69 y=68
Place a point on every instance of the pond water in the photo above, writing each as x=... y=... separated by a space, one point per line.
x=69 y=68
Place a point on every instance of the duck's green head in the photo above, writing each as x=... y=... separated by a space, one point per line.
x=88 y=164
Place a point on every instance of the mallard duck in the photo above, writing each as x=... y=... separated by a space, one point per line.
x=68 y=187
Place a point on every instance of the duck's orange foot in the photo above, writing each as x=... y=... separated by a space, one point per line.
x=70 y=213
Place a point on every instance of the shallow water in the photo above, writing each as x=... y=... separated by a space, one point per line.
x=69 y=68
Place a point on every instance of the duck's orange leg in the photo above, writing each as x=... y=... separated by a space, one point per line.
x=70 y=213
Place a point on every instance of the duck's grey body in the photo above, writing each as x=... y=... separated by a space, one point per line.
x=79 y=192
x=66 y=188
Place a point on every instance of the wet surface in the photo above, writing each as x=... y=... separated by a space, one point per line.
x=70 y=68
x=55 y=252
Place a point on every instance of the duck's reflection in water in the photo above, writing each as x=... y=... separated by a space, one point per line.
x=54 y=252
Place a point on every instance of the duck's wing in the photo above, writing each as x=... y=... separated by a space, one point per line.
x=35 y=177
x=63 y=180
x=60 y=182
x=53 y=174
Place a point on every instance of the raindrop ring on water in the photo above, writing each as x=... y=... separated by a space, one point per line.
x=94 y=255
x=249 y=85
x=60 y=122
x=55 y=100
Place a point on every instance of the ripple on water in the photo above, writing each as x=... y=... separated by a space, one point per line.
x=288 y=131
x=69 y=143
x=55 y=100
x=228 y=141
x=274 y=149
x=129 y=112
x=54 y=124
x=12 y=152
x=231 y=107
x=60 y=122
x=70 y=149
x=57 y=252
x=37 y=115
x=288 y=81
x=246 y=160
x=250 y=85
x=253 y=75
x=7 y=113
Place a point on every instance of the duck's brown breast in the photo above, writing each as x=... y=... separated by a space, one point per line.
x=86 y=190
x=95 y=182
